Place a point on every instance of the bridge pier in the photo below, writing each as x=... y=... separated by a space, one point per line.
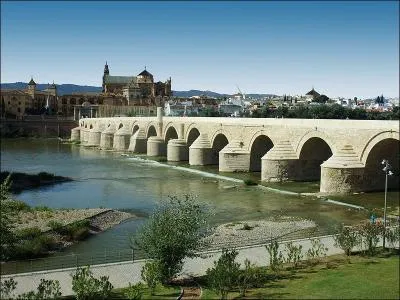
x=280 y=163
x=233 y=158
x=200 y=152
x=342 y=173
x=94 y=137
x=75 y=134
x=177 y=150
x=138 y=142
x=107 y=138
x=84 y=136
x=156 y=146
x=121 y=139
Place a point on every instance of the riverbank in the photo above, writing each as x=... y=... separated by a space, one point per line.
x=41 y=230
x=256 y=232
x=23 y=181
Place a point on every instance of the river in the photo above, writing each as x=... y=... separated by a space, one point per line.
x=133 y=183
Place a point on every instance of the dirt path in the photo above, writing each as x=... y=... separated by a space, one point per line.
x=191 y=292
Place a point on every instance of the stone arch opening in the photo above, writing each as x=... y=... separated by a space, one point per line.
x=170 y=134
x=374 y=176
x=220 y=141
x=85 y=125
x=192 y=136
x=313 y=153
x=91 y=126
x=261 y=145
x=120 y=125
x=135 y=129
x=152 y=131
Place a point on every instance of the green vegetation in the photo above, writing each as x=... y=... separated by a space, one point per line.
x=173 y=231
x=325 y=111
x=86 y=286
x=7 y=218
x=249 y=182
x=22 y=181
x=364 y=278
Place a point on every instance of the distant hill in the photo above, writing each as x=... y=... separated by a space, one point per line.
x=64 y=89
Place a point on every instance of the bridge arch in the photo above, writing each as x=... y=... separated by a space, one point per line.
x=258 y=147
x=312 y=154
x=170 y=133
x=135 y=128
x=151 y=131
x=375 y=140
x=219 y=142
x=382 y=146
x=192 y=135
x=120 y=125
x=314 y=134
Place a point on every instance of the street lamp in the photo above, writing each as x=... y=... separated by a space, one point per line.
x=388 y=172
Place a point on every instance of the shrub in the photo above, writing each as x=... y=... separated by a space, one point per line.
x=86 y=286
x=249 y=277
x=151 y=274
x=56 y=226
x=294 y=254
x=223 y=276
x=246 y=227
x=7 y=288
x=316 y=251
x=370 y=234
x=28 y=233
x=134 y=292
x=392 y=236
x=45 y=176
x=275 y=256
x=249 y=182
x=34 y=247
x=18 y=205
x=42 y=208
x=47 y=289
x=346 y=239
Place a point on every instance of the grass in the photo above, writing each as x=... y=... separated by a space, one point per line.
x=363 y=278
x=162 y=292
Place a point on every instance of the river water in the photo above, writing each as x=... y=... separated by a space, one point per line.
x=133 y=183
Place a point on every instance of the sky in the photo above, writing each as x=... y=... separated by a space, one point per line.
x=348 y=49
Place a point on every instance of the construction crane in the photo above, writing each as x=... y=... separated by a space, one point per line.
x=243 y=95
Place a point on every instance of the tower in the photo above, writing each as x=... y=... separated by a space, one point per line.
x=31 y=88
x=106 y=73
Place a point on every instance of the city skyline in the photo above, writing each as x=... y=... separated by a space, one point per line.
x=339 y=48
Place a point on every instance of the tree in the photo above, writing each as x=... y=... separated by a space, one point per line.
x=346 y=239
x=174 y=231
x=7 y=216
x=223 y=276
x=151 y=275
x=275 y=256
x=86 y=286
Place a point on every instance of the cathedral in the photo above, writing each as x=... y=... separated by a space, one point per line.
x=138 y=90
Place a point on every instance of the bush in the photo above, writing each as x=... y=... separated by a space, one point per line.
x=134 y=292
x=275 y=256
x=45 y=176
x=18 y=205
x=34 y=247
x=370 y=234
x=7 y=288
x=56 y=226
x=392 y=236
x=346 y=239
x=249 y=182
x=47 y=289
x=316 y=251
x=42 y=208
x=294 y=254
x=151 y=274
x=86 y=286
x=28 y=233
x=223 y=276
x=249 y=277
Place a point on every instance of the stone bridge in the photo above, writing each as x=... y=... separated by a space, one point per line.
x=344 y=155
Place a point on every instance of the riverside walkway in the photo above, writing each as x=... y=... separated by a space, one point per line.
x=122 y=273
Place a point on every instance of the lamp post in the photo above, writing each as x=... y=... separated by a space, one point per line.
x=388 y=172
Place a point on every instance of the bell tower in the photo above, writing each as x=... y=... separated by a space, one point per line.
x=106 y=73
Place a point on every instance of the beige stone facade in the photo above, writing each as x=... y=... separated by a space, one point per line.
x=17 y=103
x=345 y=155
x=138 y=90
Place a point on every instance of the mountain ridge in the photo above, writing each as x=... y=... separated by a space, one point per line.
x=69 y=88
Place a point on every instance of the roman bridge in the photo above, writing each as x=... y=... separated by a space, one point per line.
x=345 y=155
